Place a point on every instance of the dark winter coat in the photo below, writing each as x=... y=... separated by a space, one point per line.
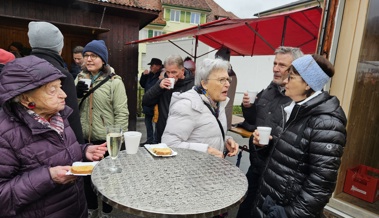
x=266 y=111
x=147 y=81
x=162 y=97
x=68 y=87
x=27 y=150
x=304 y=157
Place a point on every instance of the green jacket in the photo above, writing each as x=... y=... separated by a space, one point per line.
x=109 y=107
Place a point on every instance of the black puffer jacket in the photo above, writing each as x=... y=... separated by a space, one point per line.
x=162 y=97
x=301 y=172
x=266 y=111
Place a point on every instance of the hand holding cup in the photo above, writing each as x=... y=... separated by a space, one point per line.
x=262 y=136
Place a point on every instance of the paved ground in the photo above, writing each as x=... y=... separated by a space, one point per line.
x=243 y=166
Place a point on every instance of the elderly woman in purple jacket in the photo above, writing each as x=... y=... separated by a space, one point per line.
x=37 y=145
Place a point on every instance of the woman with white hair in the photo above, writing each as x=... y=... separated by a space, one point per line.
x=197 y=117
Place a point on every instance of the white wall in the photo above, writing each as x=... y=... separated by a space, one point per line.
x=253 y=73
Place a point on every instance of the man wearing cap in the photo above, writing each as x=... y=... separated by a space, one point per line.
x=46 y=41
x=148 y=80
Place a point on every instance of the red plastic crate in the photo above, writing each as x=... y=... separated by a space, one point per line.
x=362 y=182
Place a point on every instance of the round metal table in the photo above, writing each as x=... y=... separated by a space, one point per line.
x=190 y=184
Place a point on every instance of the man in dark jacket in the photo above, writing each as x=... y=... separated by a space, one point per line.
x=46 y=41
x=161 y=92
x=265 y=111
x=148 y=80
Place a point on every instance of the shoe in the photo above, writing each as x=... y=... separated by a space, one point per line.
x=105 y=215
x=92 y=213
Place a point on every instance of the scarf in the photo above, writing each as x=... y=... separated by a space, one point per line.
x=207 y=99
x=56 y=121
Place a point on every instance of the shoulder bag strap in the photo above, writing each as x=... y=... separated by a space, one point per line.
x=96 y=87
x=218 y=121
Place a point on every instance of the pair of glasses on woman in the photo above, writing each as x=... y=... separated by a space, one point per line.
x=223 y=80
x=91 y=56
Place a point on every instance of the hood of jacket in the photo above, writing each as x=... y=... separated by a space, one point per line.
x=322 y=104
x=25 y=74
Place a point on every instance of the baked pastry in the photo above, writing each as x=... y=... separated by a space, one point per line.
x=162 y=151
x=84 y=169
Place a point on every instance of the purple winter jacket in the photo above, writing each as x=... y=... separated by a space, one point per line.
x=27 y=150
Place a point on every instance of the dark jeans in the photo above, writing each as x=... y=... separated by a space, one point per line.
x=150 y=133
x=90 y=194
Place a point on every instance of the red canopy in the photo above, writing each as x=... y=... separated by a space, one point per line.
x=256 y=36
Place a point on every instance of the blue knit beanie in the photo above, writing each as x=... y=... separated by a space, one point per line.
x=311 y=72
x=98 y=47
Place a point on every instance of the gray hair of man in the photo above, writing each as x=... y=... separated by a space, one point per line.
x=208 y=66
x=174 y=60
x=295 y=52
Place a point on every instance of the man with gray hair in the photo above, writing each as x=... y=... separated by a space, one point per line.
x=265 y=111
x=162 y=91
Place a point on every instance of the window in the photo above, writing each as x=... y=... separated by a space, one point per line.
x=157 y=33
x=195 y=18
x=175 y=15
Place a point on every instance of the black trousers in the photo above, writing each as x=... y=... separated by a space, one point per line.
x=253 y=183
x=90 y=194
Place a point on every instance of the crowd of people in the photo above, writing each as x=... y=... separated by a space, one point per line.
x=51 y=117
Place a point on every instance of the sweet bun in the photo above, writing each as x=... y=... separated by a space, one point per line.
x=162 y=151
x=84 y=169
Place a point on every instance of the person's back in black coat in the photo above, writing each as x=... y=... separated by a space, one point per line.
x=68 y=86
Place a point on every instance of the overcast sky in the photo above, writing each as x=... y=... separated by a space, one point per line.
x=247 y=8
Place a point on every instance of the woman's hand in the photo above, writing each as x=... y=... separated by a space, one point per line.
x=256 y=138
x=58 y=175
x=214 y=152
x=246 y=100
x=232 y=147
x=96 y=152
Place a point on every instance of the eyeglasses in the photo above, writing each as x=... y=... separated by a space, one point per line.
x=91 y=56
x=223 y=80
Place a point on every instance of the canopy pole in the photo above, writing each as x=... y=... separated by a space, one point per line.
x=284 y=30
x=180 y=48
x=259 y=35
x=196 y=44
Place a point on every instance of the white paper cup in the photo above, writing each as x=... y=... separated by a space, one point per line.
x=264 y=134
x=252 y=95
x=172 y=80
x=132 y=140
x=87 y=82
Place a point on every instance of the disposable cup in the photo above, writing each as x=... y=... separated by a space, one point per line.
x=264 y=134
x=172 y=81
x=252 y=95
x=132 y=140
x=87 y=82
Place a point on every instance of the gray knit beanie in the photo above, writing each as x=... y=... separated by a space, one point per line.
x=45 y=35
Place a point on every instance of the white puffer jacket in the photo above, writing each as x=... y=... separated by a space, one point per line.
x=192 y=125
